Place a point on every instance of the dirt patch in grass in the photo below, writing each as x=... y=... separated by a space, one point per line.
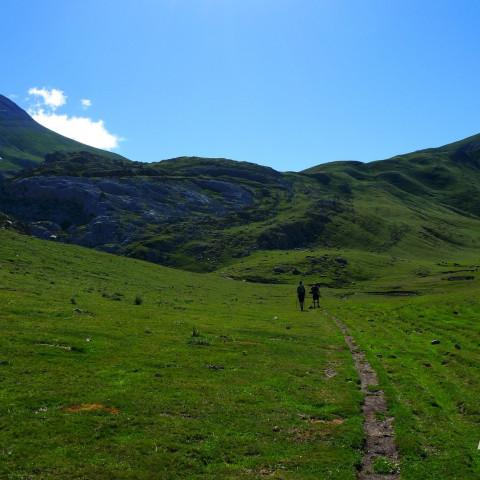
x=63 y=347
x=395 y=293
x=335 y=421
x=79 y=310
x=306 y=436
x=378 y=425
x=329 y=373
x=216 y=367
x=266 y=473
x=86 y=407
x=316 y=430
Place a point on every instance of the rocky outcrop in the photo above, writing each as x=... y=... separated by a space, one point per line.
x=98 y=212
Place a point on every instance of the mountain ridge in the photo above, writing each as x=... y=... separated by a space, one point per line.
x=201 y=214
x=24 y=142
x=8 y=108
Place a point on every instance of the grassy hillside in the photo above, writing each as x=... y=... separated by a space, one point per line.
x=24 y=142
x=401 y=207
x=425 y=349
x=203 y=214
x=117 y=368
x=426 y=201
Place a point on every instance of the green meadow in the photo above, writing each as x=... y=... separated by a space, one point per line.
x=114 y=368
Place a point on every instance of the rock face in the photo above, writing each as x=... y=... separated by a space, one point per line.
x=96 y=212
x=187 y=212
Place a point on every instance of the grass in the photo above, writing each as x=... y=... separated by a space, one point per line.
x=384 y=465
x=431 y=389
x=116 y=368
x=422 y=202
x=124 y=402
x=209 y=377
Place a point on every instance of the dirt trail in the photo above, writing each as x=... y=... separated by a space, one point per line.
x=377 y=424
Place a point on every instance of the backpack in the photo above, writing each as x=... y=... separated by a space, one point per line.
x=301 y=290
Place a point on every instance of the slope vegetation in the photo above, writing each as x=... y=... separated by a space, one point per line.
x=114 y=368
x=204 y=214
x=189 y=212
x=208 y=214
x=24 y=142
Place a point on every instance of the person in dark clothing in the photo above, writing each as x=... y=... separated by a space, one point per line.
x=315 y=291
x=301 y=294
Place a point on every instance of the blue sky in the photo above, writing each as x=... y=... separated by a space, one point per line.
x=284 y=83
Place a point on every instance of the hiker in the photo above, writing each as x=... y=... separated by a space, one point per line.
x=315 y=291
x=301 y=294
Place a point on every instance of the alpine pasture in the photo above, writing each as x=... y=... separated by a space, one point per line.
x=114 y=368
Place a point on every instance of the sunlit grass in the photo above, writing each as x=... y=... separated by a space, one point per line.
x=109 y=387
x=208 y=377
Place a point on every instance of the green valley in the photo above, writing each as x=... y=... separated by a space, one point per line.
x=151 y=329
x=117 y=368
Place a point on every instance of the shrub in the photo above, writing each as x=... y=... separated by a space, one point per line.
x=197 y=339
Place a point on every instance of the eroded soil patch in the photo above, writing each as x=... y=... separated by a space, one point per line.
x=378 y=425
x=395 y=293
x=82 y=407
x=63 y=347
x=335 y=421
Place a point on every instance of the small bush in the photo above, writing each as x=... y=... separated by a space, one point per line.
x=138 y=300
x=197 y=339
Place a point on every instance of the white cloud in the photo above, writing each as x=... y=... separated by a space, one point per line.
x=82 y=129
x=51 y=98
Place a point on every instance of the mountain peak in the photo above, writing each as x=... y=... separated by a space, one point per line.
x=11 y=110
x=24 y=142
